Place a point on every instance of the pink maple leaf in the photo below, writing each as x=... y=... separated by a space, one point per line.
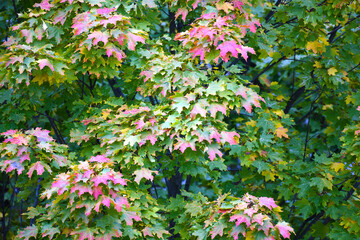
x=24 y=157
x=250 y=211
x=144 y=173
x=228 y=47
x=229 y=137
x=215 y=135
x=106 y=201
x=183 y=12
x=284 y=229
x=119 y=201
x=247 y=106
x=214 y=108
x=240 y=218
x=38 y=167
x=45 y=62
x=266 y=226
x=61 y=183
x=105 y=11
x=42 y=135
x=217 y=230
x=99 y=159
x=133 y=39
x=117 y=179
x=221 y=21
x=197 y=109
x=99 y=36
x=29 y=34
x=129 y=216
x=81 y=189
x=139 y=124
x=112 y=50
x=60 y=17
x=258 y=218
x=100 y=179
x=12 y=132
x=242 y=91
x=97 y=191
x=243 y=51
x=14 y=165
x=268 y=202
x=81 y=23
x=152 y=138
x=45 y=5
x=198 y=51
x=213 y=150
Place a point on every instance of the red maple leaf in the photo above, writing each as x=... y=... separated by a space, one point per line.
x=183 y=12
x=101 y=179
x=42 y=135
x=112 y=50
x=214 y=108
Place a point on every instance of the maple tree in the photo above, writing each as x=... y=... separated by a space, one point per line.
x=188 y=119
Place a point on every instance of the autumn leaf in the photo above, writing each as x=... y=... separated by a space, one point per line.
x=44 y=5
x=144 y=173
x=332 y=71
x=284 y=229
x=213 y=150
x=29 y=232
x=281 y=132
x=218 y=229
x=45 y=62
x=183 y=12
x=129 y=216
x=99 y=36
x=133 y=39
x=38 y=167
x=268 y=202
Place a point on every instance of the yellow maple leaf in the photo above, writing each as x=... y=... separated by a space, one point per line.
x=226 y=6
x=281 y=132
x=314 y=46
x=317 y=64
x=337 y=166
x=332 y=71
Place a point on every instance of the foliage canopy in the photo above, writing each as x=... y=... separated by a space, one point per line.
x=196 y=119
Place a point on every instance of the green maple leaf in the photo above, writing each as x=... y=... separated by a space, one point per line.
x=180 y=103
x=320 y=183
x=132 y=140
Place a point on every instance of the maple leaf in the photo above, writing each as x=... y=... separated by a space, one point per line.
x=198 y=109
x=28 y=232
x=133 y=39
x=217 y=229
x=38 y=167
x=183 y=12
x=281 y=132
x=214 y=108
x=44 y=5
x=332 y=71
x=117 y=179
x=284 y=229
x=266 y=226
x=250 y=211
x=198 y=51
x=101 y=179
x=50 y=231
x=41 y=135
x=105 y=11
x=240 y=218
x=225 y=6
x=29 y=34
x=24 y=157
x=106 y=201
x=258 y=218
x=268 y=202
x=99 y=36
x=152 y=138
x=226 y=47
x=45 y=62
x=61 y=183
x=243 y=51
x=119 y=201
x=144 y=173
x=99 y=159
x=139 y=124
x=129 y=216
x=84 y=233
x=112 y=50
x=12 y=132
x=60 y=17
x=81 y=189
x=149 y=3
x=213 y=150
x=229 y=137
